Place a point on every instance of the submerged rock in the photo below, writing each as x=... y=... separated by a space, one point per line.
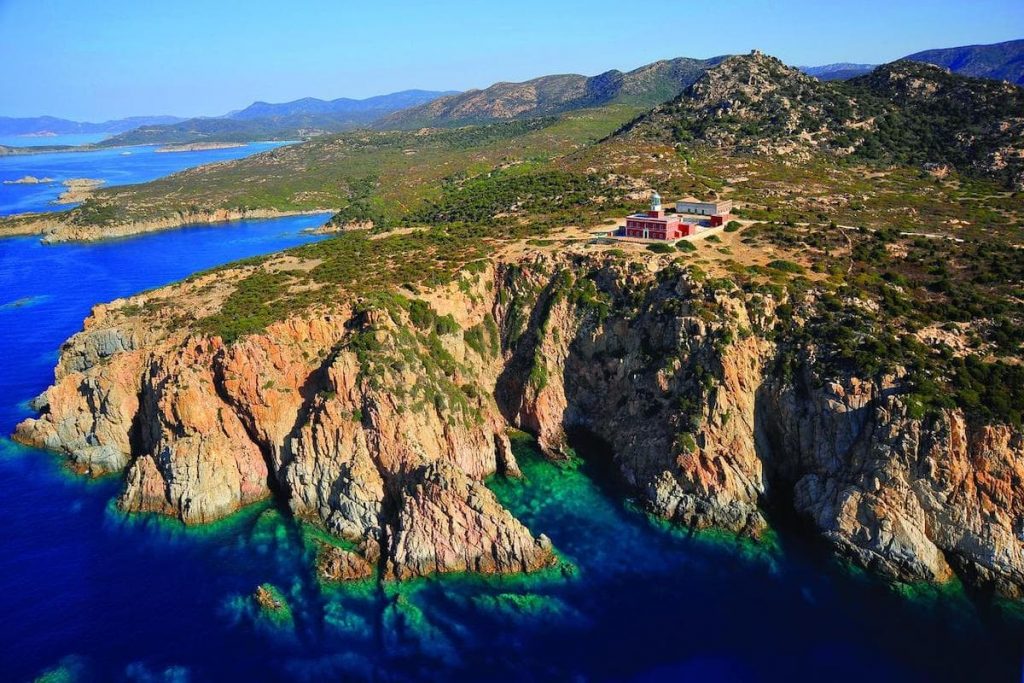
x=272 y=604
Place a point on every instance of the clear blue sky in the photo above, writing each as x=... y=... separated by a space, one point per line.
x=112 y=58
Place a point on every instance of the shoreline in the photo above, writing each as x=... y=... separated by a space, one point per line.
x=53 y=231
x=12 y=151
x=173 y=148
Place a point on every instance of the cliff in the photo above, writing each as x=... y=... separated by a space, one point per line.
x=55 y=228
x=379 y=420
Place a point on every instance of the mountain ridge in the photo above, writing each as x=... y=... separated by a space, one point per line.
x=288 y=120
x=838 y=71
x=997 y=61
x=38 y=125
x=647 y=85
x=311 y=105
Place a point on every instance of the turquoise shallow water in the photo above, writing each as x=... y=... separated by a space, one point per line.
x=95 y=595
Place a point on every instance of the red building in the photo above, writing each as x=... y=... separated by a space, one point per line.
x=655 y=225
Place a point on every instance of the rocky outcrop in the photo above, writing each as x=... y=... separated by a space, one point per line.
x=364 y=424
x=60 y=228
x=380 y=420
x=197 y=146
x=905 y=497
x=78 y=190
x=29 y=180
x=756 y=104
x=337 y=564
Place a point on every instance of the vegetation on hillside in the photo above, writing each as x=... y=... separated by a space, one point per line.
x=902 y=113
x=896 y=241
x=379 y=176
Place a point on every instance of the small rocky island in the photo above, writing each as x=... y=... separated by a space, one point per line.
x=29 y=180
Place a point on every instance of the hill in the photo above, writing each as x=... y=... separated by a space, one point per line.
x=286 y=121
x=1000 y=61
x=39 y=125
x=906 y=120
x=902 y=113
x=376 y=176
x=644 y=87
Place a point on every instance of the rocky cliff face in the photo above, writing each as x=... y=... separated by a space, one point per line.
x=379 y=422
x=56 y=228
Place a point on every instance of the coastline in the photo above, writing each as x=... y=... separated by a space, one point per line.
x=54 y=231
x=9 y=150
x=171 y=148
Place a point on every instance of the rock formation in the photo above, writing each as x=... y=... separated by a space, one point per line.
x=379 y=424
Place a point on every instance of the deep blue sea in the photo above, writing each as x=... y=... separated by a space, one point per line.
x=116 y=166
x=90 y=594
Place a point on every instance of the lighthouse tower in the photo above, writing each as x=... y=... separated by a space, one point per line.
x=656 y=210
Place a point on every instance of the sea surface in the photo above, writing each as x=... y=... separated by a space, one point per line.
x=90 y=594
x=48 y=140
x=116 y=166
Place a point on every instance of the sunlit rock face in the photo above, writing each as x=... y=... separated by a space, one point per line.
x=380 y=423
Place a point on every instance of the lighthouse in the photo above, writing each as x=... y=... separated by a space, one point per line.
x=655 y=225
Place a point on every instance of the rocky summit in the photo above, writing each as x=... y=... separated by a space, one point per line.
x=905 y=112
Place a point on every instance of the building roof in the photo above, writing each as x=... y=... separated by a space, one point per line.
x=694 y=200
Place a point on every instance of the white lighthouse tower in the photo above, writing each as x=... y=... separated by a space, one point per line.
x=656 y=202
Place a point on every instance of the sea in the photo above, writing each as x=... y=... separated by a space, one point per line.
x=88 y=593
x=113 y=165
x=52 y=140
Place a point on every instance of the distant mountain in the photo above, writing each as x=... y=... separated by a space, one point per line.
x=41 y=125
x=289 y=120
x=837 y=72
x=647 y=86
x=1001 y=61
x=371 y=107
x=905 y=113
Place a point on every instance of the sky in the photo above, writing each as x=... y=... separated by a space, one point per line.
x=107 y=59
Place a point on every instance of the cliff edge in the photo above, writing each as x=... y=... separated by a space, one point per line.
x=378 y=417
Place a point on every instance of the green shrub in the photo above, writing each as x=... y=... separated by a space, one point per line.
x=685 y=443
x=786 y=266
x=446 y=324
x=661 y=248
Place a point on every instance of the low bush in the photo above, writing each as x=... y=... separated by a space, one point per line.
x=661 y=248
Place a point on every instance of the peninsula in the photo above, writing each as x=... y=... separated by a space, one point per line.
x=845 y=349
x=198 y=146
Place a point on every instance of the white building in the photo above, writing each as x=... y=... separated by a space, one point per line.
x=691 y=205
